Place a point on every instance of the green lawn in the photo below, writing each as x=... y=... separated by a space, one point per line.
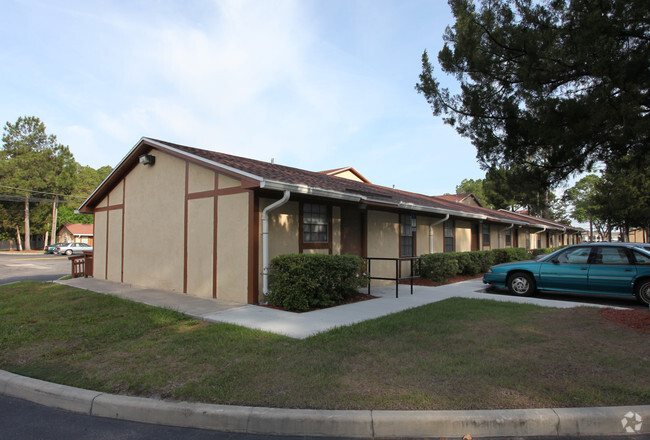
x=455 y=354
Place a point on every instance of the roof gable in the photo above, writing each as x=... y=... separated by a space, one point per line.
x=78 y=228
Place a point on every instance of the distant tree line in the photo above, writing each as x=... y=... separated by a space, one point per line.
x=41 y=184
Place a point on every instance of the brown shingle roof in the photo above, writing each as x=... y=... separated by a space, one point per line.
x=277 y=177
x=79 y=228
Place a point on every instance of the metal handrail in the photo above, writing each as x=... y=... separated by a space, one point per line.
x=397 y=278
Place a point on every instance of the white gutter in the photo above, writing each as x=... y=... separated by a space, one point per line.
x=431 y=231
x=309 y=190
x=265 y=239
x=512 y=225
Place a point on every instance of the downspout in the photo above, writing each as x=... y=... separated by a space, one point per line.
x=431 y=231
x=265 y=239
x=512 y=225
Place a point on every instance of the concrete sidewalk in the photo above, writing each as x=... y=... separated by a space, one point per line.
x=303 y=325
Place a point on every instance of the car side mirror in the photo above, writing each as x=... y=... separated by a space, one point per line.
x=555 y=261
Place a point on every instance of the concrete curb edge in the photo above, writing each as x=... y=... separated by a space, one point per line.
x=354 y=423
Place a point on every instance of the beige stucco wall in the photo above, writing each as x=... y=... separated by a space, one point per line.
x=200 y=244
x=200 y=179
x=383 y=241
x=154 y=224
x=232 y=247
x=423 y=232
x=115 y=244
x=463 y=234
x=99 y=250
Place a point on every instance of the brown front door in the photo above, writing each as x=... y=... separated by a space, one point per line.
x=352 y=231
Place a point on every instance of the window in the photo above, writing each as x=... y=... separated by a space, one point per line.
x=486 y=234
x=611 y=256
x=539 y=241
x=641 y=259
x=575 y=256
x=449 y=236
x=408 y=227
x=315 y=223
x=509 y=237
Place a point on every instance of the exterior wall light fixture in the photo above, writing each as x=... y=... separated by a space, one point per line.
x=147 y=159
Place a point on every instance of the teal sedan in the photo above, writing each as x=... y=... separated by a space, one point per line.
x=598 y=268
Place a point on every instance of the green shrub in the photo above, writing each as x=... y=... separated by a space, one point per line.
x=440 y=267
x=507 y=255
x=542 y=251
x=303 y=281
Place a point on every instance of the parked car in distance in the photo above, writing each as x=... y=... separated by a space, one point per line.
x=73 y=248
x=595 y=268
x=51 y=248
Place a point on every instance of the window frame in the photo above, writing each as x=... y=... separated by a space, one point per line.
x=406 y=222
x=486 y=234
x=304 y=244
x=449 y=241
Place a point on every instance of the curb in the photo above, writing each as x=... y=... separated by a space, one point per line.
x=358 y=423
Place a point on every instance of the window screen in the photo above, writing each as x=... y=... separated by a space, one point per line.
x=315 y=223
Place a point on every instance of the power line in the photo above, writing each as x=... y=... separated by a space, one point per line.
x=42 y=192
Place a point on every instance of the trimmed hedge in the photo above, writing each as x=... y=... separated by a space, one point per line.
x=303 y=281
x=442 y=266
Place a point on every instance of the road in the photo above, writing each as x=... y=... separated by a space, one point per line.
x=32 y=266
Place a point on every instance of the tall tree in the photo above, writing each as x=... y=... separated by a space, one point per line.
x=475 y=187
x=582 y=198
x=32 y=162
x=552 y=85
x=622 y=196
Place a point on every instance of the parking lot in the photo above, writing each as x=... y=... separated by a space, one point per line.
x=33 y=266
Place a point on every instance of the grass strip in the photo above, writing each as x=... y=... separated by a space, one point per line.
x=454 y=354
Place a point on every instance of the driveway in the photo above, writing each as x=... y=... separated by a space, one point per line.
x=33 y=266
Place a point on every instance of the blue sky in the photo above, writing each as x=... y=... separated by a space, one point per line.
x=314 y=84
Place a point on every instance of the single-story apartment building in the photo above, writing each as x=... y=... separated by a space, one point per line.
x=75 y=233
x=207 y=224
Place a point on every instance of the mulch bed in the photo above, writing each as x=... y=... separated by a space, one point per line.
x=637 y=319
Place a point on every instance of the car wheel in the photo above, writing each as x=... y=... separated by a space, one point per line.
x=68 y=252
x=643 y=292
x=521 y=283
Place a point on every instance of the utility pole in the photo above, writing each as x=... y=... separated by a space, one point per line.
x=27 y=235
x=54 y=215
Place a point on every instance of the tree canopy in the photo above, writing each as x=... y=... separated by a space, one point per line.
x=36 y=171
x=550 y=86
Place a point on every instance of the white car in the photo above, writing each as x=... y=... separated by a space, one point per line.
x=73 y=248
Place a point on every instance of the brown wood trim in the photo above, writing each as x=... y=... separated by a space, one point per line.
x=215 y=230
x=94 y=223
x=185 y=224
x=253 y=247
x=232 y=190
x=200 y=195
x=123 y=215
x=108 y=220
x=109 y=208
x=212 y=192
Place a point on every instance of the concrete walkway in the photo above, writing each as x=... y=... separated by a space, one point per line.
x=630 y=420
x=303 y=325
